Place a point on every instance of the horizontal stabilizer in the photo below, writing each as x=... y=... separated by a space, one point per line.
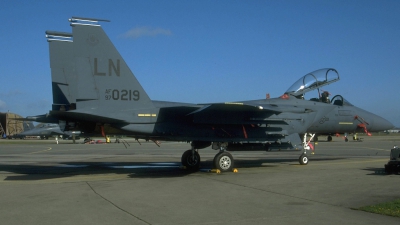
x=80 y=116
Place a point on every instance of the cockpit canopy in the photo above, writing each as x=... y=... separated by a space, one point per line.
x=340 y=101
x=312 y=81
x=315 y=80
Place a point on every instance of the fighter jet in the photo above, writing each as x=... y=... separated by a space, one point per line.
x=46 y=130
x=95 y=91
x=65 y=89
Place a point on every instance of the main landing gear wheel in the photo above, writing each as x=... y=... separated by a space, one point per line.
x=303 y=159
x=223 y=161
x=329 y=138
x=191 y=159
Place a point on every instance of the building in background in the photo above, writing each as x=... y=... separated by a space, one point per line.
x=9 y=126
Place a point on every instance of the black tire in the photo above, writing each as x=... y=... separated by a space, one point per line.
x=191 y=162
x=224 y=161
x=395 y=169
x=303 y=159
x=346 y=139
x=329 y=138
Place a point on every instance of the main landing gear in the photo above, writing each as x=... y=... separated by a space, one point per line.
x=222 y=160
x=191 y=159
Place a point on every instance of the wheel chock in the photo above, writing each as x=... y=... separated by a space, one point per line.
x=235 y=170
x=211 y=170
x=215 y=171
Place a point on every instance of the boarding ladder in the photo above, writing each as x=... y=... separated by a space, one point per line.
x=363 y=124
x=2 y=131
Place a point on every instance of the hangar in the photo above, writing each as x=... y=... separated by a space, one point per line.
x=8 y=125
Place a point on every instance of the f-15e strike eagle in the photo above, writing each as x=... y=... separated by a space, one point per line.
x=94 y=91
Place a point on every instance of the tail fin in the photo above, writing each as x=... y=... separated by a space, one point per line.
x=104 y=81
x=62 y=70
x=28 y=125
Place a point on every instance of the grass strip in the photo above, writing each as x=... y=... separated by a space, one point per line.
x=388 y=208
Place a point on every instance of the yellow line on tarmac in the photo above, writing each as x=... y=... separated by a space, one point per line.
x=46 y=150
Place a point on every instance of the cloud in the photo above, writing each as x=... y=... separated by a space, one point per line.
x=145 y=32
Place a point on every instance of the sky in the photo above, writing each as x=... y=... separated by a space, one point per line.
x=203 y=51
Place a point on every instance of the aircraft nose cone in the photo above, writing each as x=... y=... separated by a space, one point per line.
x=381 y=124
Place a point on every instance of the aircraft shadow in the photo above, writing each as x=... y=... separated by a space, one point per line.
x=377 y=171
x=270 y=162
x=131 y=169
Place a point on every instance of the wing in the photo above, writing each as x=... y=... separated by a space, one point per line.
x=235 y=113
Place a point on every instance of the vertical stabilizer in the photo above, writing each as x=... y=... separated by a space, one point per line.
x=105 y=82
x=28 y=125
x=62 y=69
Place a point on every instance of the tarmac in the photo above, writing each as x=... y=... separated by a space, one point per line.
x=42 y=182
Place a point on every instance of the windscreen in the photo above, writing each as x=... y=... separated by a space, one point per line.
x=313 y=81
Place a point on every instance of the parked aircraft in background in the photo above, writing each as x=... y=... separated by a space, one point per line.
x=46 y=130
x=94 y=91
